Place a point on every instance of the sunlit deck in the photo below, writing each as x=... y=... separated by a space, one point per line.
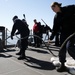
x=37 y=62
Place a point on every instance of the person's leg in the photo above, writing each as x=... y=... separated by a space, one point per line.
x=57 y=40
x=24 y=44
x=71 y=48
x=62 y=59
x=62 y=55
x=35 y=39
x=38 y=39
x=41 y=38
x=19 y=46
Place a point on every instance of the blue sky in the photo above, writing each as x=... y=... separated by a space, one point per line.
x=39 y=9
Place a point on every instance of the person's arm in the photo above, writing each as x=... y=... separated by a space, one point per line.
x=56 y=27
x=53 y=30
x=13 y=30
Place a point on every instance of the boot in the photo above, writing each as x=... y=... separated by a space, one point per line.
x=22 y=56
x=62 y=68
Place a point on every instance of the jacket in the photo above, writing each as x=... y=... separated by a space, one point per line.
x=23 y=30
x=64 y=21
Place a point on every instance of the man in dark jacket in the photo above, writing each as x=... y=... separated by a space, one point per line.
x=64 y=19
x=23 y=31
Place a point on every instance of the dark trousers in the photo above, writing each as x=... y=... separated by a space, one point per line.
x=24 y=45
x=57 y=40
x=68 y=47
x=36 y=39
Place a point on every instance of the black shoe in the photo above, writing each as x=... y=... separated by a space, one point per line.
x=38 y=45
x=22 y=57
x=62 y=69
x=19 y=53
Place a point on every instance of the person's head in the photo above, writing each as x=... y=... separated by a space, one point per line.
x=56 y=7
x=35 y=21
x=23 y=20
x=40 y=23
x=14 y=18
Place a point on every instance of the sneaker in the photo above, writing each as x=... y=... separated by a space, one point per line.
x=62 y=69
x=19 y=53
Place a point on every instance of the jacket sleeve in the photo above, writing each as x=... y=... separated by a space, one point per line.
x=13 y=29
x=56 y=27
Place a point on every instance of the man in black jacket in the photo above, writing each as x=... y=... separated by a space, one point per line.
x=23 y=31
x=64 y=19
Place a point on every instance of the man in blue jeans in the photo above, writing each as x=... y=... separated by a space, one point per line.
x=64 y=18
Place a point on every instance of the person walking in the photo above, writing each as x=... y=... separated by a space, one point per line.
x=23 y=30
x=64 y=18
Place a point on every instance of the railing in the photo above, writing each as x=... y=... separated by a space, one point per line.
x=8 y=40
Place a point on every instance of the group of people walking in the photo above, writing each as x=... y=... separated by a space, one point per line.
x=64 y=23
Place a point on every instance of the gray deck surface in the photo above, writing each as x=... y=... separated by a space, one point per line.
x=38 y=63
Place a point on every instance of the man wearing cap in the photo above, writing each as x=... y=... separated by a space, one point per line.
x=23 y=31
x=64 y=19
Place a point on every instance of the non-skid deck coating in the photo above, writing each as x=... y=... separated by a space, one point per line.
x=37 y=63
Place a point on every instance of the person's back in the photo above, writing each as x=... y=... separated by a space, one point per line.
x=21 y=27
x=68 y=22
x=35 y=28
x=64 y=18
x=24 y=32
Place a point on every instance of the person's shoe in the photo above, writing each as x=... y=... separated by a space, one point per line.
x=62 y=68
x=38 y=45
x=22 y=57
x=19 y=53
x=35 y=46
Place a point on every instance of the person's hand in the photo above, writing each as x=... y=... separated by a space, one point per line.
x=49 y=41
x=12 y=37
x=51 y=37
x=17 y=33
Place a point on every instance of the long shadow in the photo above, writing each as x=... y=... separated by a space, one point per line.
x=38 y=50
x=7 y=50
x=39 y=64
x=3 y=53
x=5 y=56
